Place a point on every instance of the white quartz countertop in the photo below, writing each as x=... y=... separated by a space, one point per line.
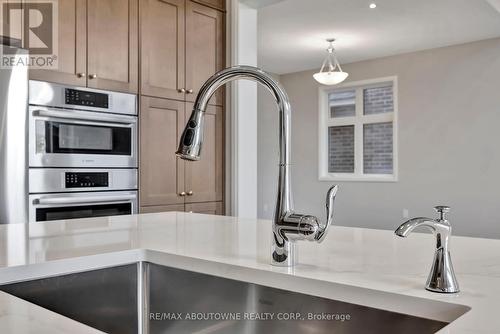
x=362 y=266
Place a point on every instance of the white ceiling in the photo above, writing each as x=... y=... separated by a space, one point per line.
x=292 y=32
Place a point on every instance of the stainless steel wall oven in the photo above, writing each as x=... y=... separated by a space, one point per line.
x=45 y=207
x=82 y=148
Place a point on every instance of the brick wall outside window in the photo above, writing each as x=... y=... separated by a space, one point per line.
x=377 y=148
x=343 y=111
x=341 y=149
x=378 y=100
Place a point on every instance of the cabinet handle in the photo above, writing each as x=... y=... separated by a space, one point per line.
x=182 y=90
x=182 y=194
x=190 y=193
x=189 y=91
x=80 y=75
x=93 y=76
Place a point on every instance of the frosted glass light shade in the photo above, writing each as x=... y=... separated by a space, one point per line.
x=330 y=78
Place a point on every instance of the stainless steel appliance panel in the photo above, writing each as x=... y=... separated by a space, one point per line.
x=52 y=180
x=54 y=95
x=13 y=145
x=43 y=207
x=74 y=138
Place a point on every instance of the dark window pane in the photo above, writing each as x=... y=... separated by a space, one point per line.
x=342 y=103
x=87 y=139
x=378 y=100
x=377 y=148
x=341 y=149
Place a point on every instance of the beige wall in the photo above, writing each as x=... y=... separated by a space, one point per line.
x=449 y=142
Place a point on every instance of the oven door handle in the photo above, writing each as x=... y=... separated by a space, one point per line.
x=83 y=199
x=121 y=119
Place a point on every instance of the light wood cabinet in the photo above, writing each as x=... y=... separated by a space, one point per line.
x=11 y=27
x=72 y=50
x=113 y=44
x=182 y=45
x=163 y=208
x=204 y=48
x=212 y=208
x=161 y=172
x=162 y=48
x=204 y=178
x=98 y=45
x=166 y=180
x=218 y=4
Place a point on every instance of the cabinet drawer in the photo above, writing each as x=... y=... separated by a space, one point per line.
x=209 y=208
x=161 y=208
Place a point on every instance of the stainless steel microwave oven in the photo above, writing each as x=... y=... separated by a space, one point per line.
x=81 y=127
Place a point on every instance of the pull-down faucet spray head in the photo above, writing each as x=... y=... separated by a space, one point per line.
x=192 y=138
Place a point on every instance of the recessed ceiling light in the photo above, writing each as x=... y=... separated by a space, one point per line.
x=373 y=5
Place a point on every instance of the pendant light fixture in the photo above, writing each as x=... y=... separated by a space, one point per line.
x=330 y=73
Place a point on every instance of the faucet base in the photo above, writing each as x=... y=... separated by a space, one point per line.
x=442 y=277
x=285 y=256
x=441 y=290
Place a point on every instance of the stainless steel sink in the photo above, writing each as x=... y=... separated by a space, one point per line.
x=148 y=298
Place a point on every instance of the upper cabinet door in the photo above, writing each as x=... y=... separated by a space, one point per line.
x=161 y=171
x=219 y=4
x=204 y=178
x=113 y=44
x=72 y=50
x=11 y=23
x=162 y=48
x=204 y=48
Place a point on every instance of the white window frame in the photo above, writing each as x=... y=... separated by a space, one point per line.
x=325 y=121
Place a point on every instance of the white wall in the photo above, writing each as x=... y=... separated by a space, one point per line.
x=244 y=118
x=449 y=137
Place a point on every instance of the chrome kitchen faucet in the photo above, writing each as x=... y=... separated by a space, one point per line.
x=288 y=226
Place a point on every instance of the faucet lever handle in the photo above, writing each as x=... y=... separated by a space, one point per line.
x=330 y=200
x=442 y=210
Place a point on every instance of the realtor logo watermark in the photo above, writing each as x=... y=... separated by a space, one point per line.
x=33 y=25
x=249 y=316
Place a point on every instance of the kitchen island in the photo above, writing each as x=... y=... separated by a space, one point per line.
x=367 y=267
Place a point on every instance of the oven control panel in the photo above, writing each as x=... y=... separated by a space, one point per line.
x=87 y=179
x=84 y=98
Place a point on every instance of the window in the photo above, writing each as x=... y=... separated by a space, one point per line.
x=358 y=131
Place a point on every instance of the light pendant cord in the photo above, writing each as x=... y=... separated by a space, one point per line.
x=331 y=60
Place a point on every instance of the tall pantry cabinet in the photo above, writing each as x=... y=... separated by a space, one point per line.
x=181 y=45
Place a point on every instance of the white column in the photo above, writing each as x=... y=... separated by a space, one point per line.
x=243 y=133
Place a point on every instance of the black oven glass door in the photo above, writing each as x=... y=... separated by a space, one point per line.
x=87 y=139
x=84 y=211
